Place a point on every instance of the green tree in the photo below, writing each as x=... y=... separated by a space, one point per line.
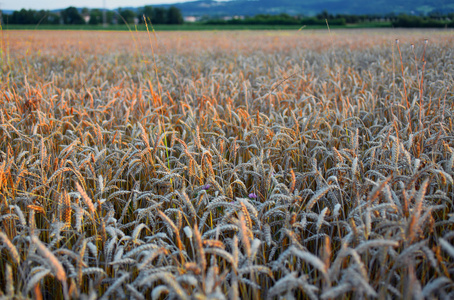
x=95 y=17
x=110 y=17
x=324 y=15
x=159 y=15
x=53 y=18
x=146 y=11
x=127 y=15
x=174 y=16
x=46 y=17
x=71 y=15
x=24 y=16
x=41 y=16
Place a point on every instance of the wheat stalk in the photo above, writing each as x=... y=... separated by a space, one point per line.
x=11 y=248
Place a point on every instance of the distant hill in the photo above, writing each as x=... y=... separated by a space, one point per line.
x=312 y=7
x=304 y=7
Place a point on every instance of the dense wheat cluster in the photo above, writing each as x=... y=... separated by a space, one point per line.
x=227 y=165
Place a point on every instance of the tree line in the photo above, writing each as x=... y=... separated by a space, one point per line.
x=74 y=16
x=434 y=21
x=401 y=20
x=172 y=15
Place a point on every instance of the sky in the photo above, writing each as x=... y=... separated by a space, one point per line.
x=52 y=4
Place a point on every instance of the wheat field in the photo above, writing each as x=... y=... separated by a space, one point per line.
x=227 y=165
